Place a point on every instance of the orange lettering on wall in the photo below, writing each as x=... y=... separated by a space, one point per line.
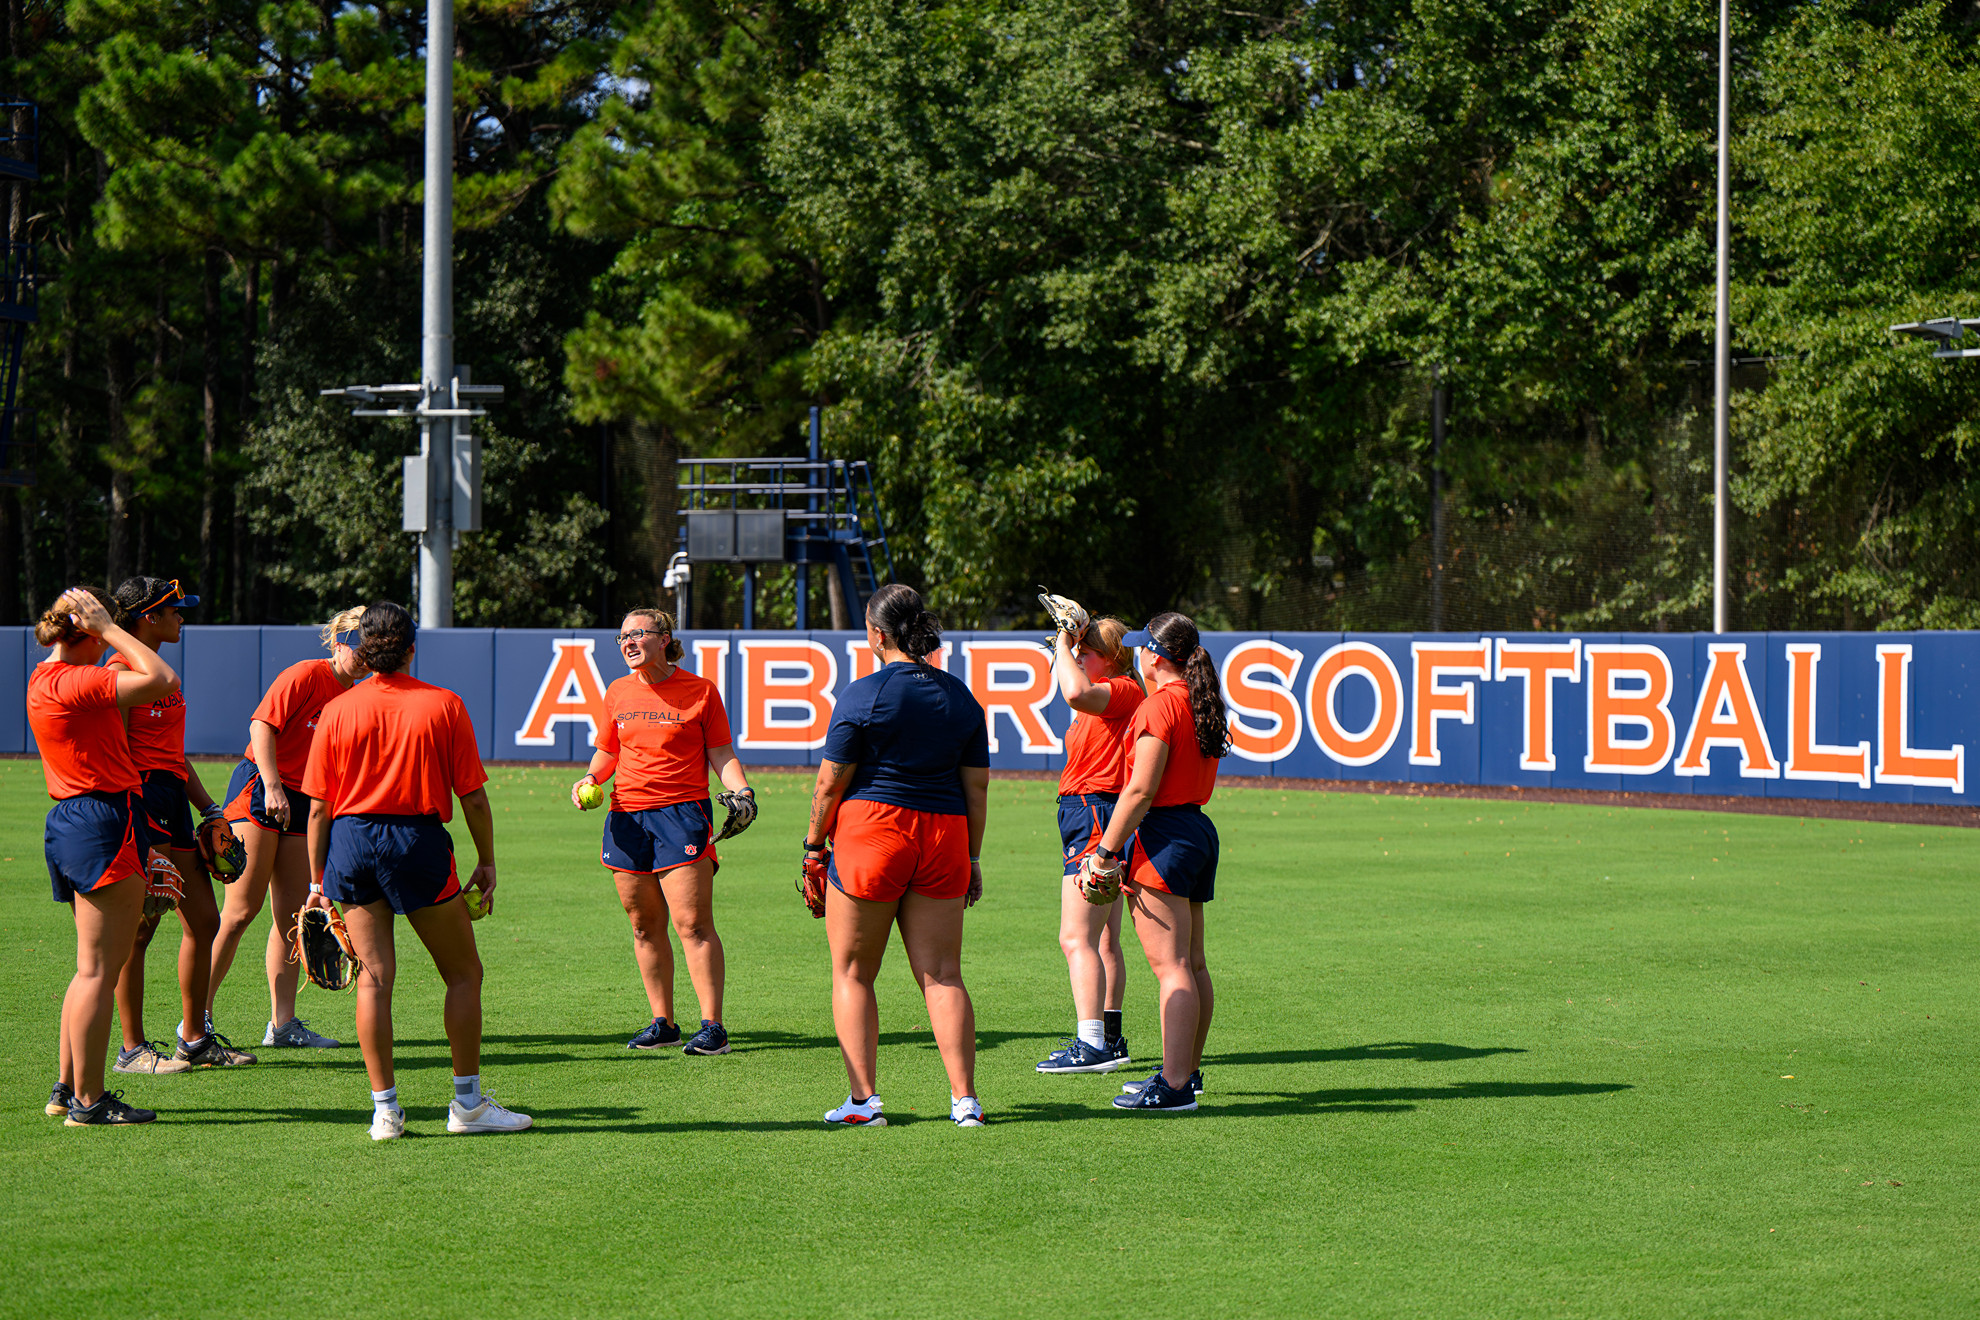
x=711 y=662
x=1727 y=715
x=786 y=694
x=1808 y=759
x=1355 y=659
x=1612 y=707
x=1897 y=761
x=570 y=690
x=860 y=660
x=1265 y=700
x=1014 y=679
x=1433 y=701
x=1538 y=664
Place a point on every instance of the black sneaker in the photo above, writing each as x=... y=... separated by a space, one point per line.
x=660 y=1032
x=1076 y=1056
x=216 y=1051
x=1118 y=1048
x=1195 y=1082
x=58 y=1100
x=711 y=1039
x=1157 y=1097
x=108 y=1111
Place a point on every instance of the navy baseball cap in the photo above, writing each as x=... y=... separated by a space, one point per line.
x=1145 y=638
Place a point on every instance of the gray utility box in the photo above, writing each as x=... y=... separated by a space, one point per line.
x=735 y=536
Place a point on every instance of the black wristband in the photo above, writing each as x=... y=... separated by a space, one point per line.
x=809 y=846
x=1108 y=854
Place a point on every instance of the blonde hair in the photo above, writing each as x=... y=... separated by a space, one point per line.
x=342 y=622
x=54 y=626
x=1103 y=638
x=663 y=622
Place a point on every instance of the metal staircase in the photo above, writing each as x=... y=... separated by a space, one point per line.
x=19 y=169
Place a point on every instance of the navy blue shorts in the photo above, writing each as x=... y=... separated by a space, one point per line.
x=659 y=838
x=1175 y=852
x=245 y=802
x=407 y=861
x=168 y=817
x=1083 y=819
x=91 y=840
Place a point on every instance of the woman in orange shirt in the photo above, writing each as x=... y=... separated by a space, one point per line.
x=76 y=712
x=1096 y=677
x=1162 y=849
x=269 y=813
x=385 y=767
x=667 y=733
x=171 y=789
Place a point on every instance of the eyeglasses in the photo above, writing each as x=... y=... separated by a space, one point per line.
x=635 y=634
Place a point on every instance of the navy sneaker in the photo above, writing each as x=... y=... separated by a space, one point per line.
x=1195 y=1082
x=658 y=1034
x=711 y=1039
x=108 y=1111
x=58 y=1100
x=1118 y=1048
x=1157 y=1097
x=1076 y=1056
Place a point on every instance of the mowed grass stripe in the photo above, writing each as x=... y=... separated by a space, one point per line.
x=1470 y=1058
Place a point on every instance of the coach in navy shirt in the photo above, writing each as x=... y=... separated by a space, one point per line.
x=903 y=791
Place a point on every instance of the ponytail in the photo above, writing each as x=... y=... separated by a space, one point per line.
x=896 y=610
x=1178 y=636
x=387 y=640
x=55 y=626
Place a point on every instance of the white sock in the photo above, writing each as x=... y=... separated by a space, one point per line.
x=467 y=1091
x=1093 y=1032
x=385 y=1101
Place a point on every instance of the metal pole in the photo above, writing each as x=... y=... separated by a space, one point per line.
x=1723 y=355
x=1436 y=499
x=436 y=343
x=804 y=543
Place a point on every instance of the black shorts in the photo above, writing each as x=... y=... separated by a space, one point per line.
x=168 y=816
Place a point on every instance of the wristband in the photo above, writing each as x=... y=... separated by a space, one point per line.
x=1108 y=853
x=316 y=887
x=976 y=861
x=809 y=846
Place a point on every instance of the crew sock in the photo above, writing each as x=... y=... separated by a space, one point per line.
x=1090 y=1032
x=467 y=1091
x=1112 y=1017
x=385 y=1101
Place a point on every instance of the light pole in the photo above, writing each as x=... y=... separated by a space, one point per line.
x=1722 y=356
x=1943 y=331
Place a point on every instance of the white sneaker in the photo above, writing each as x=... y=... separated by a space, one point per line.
x=852 y=1115
x=388 y=1126
x=484 y=1117
x=966 y=1112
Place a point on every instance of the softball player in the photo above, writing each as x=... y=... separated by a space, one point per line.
x=269 y=813
x=666 y=733
x=171 y=788
x=92 y=843
x=1096 y=677
x=903 y=790
x=1167 y=847
x=383 y=772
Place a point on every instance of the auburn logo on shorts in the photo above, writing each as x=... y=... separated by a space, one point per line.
x=692 y=850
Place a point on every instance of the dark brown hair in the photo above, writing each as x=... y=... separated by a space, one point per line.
x=897 y=611
x=1178 y=636
x=54 y=625
x=665 y=623
x=387 y=639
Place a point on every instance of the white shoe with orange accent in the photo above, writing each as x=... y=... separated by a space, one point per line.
x=865 y=1113
x=966 y=1112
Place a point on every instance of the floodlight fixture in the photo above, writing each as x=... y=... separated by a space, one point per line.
x=1942 y=331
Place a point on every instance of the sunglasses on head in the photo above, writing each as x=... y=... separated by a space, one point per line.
x=172 y=595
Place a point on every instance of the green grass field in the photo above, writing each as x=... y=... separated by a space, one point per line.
x=1471 y=1059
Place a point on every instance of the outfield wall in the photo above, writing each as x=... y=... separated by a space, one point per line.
x=1884 y=717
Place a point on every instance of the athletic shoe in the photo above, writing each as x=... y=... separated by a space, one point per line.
x=1157 y=1097
x=1076 y=1056
x=295 y=1033
x=865 y=1114
x=1195 y=1082
x=208 y=1015
x=388 y=1126
x=711 y=1039
x=484 y=1117
x=1118 y=1048
x=148 y=1058
x=964 y=1112
x=58 y=1100
x=658 y=1034
x=108 y=1111
x=216 y=1051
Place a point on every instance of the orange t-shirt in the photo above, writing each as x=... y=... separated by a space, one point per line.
x=1096 y=745
x=157 y=733
x=1190 y=776
x=661 y=734
x=393 y=746
x=79 y=730
x=291 y=706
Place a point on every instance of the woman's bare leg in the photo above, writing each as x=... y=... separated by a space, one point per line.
x=858 y=931
x=371 y=938
x=199 y=926
x=289 y=888
x=448 y=935
x=1112 y=965
x=1166 y=928
x=106 y=922
x=1083 y=938
x=242 y=905
x=130 y=982
x=690 y=895
x=1206 y=994
x=931 y=929
x=646 y=908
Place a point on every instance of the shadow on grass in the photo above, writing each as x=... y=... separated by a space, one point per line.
x=742 y=1043
x=600 y=1118
x=1420 y=1051
x=1345 y=1100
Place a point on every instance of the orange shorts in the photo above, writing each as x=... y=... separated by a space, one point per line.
x=881 y=851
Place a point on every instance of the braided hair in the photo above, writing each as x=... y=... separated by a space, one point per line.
x=896 y=610
x=388 y=637
x=1178 y=636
